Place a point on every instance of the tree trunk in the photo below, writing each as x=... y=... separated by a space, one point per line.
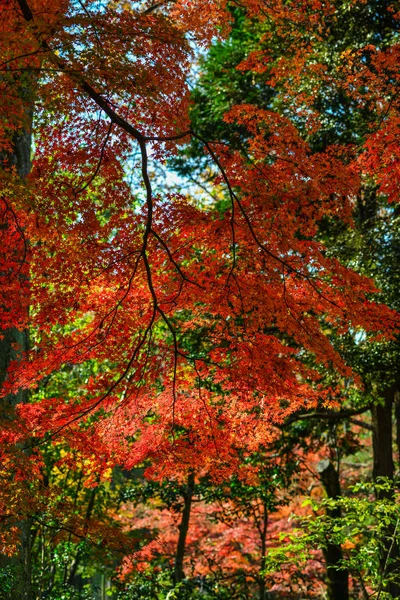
x=263 y=535
x=78 y=555
x=338 y=578
x=382 y=439
x=183 y=530
x=397 y=416
x=382 y=443
x=13 y=344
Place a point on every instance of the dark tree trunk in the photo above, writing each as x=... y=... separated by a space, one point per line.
x=397 y=416
x=382 y=443
x=13 y=344
x=78 y=557
x=263 y=535
x=338 y=578
x=382 y=439
x=183 y=530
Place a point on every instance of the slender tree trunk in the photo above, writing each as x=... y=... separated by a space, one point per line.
x=397 y=417
x=183 y=530
x=382 y=443
x=338 y=578
x=263 y=535
x=78 y=556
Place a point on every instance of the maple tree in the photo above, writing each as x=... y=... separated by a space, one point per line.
x=196 y=326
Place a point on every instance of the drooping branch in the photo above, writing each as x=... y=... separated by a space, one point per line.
x=331 y=415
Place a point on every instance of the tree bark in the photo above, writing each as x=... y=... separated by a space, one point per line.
x=78 y=556
x=338 y=578
x=382 y=443
x=397 y=417
x=382 y=439
x=179 y=574
x=263 y=536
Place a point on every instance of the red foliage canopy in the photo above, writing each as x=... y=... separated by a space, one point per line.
x=199 y=318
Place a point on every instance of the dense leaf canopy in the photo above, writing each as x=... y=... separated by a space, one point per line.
x=199 y=269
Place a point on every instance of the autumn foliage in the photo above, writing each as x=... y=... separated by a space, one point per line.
x=170 y=332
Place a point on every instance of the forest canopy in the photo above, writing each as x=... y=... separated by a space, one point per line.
x=199 y=275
